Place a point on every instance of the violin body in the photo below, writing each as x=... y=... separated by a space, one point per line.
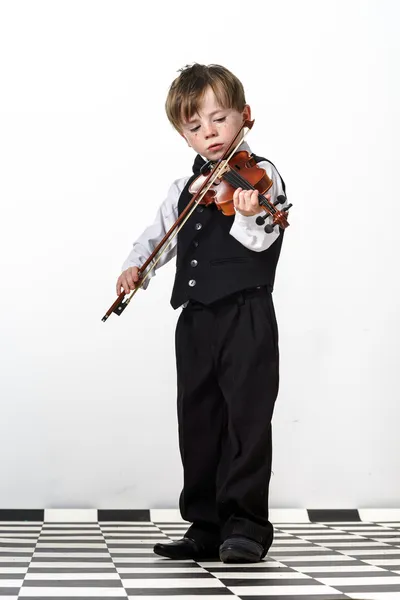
x=221 y=191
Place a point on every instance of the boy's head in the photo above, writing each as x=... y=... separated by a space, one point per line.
x=206 y=105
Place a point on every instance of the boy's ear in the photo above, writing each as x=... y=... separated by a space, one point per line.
x=246 y=113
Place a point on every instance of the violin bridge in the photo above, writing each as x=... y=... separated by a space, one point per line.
x=223 y=169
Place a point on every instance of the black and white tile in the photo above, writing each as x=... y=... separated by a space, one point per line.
x=111 y=558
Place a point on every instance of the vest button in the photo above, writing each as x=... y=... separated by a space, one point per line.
x=193 y=263
x=192 y=282
x=198 y=226
x=200 y=209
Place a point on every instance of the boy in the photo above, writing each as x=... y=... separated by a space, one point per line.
x=226 y=336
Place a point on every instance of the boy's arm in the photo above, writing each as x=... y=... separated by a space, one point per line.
x=245 y=229
x=166 y=216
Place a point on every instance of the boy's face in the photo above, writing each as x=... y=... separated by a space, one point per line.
x=210 y=132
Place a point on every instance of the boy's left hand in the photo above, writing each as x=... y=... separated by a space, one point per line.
x=246 y=202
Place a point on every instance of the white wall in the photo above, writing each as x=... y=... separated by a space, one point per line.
x=88 y=408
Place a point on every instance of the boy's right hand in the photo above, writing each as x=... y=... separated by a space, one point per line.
x=127 y=279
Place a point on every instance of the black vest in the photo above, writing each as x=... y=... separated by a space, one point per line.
x=211 y=263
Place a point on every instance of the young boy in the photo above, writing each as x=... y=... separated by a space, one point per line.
x=226 y=336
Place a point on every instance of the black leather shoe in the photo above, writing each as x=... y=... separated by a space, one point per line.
x=186 y=548
x=240 y=549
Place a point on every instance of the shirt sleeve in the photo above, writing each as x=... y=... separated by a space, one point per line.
x=144 y=245
x=245 y=229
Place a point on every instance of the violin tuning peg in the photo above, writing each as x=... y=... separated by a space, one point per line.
x=281 y=199
x=286 y=208
x=269 y=228
x=261 y=220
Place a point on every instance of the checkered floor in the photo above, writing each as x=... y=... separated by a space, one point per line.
x=115 y=560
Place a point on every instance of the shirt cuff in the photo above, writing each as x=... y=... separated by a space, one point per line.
x=249 y=222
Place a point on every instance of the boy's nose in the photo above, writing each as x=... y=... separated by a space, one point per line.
x=210 y=130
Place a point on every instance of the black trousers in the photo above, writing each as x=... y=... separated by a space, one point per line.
x=228 y=378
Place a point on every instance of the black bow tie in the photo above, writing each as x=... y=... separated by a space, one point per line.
x=198 y=163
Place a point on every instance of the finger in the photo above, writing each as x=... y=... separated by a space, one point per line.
x=242 y=200
x=125 y=285
x=249 y=200
x=254 y=199
x=130 y=281
x=118 y=286
x=250 y=194
x=236 y=197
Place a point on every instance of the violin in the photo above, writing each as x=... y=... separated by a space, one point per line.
x=242 y=171
x=216 y=184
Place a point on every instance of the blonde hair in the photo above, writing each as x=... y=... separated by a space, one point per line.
x=187 y=90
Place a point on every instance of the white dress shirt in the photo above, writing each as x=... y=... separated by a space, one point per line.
x=244 y=229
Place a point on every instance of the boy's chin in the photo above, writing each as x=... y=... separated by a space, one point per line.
x=214 y=155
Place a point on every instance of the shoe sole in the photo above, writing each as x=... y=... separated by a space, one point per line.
x=167 y=554
x=239 y=552
x=236 y=556
x=206 y=556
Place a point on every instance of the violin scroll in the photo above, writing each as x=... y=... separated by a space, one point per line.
x=279 y=217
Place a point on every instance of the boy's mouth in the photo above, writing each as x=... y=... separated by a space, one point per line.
x=215 y=147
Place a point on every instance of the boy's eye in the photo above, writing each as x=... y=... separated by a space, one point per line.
x=220 y=120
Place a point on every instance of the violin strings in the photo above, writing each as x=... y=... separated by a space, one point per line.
x=235 y=178
x=244 y=184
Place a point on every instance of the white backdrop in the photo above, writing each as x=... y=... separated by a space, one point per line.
x=88 y=414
